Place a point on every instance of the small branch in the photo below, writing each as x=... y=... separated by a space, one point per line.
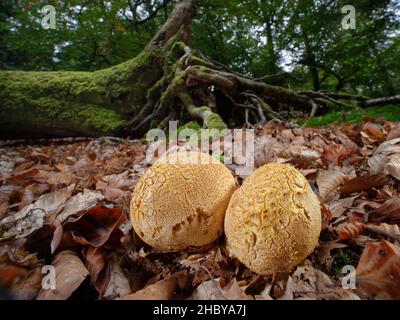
x=381 y=101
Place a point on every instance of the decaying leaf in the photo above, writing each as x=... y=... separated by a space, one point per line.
x=388 y=212
x=372 y=133
x=95 y=227
x=391 y=231
x=392 y=166
x=298 y=153
x=211 y=290
x=70 y=272
x=162 y=290
x=334 y=154
x=118 y=283
x=31 y=218
x=382 y=156
x=378 y=271
x=339 y=207
x=329 y=181
x=350 y=230
x=363 y=183
x=79 y=202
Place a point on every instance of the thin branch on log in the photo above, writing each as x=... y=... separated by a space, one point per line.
x=381 y=101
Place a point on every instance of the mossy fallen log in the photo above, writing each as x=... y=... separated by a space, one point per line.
x=76 y=103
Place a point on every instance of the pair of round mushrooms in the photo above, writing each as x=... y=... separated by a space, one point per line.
x=188 y=199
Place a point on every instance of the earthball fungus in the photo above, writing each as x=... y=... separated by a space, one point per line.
x=273 y=220
x=181 y=200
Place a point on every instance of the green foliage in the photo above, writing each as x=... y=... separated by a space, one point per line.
x=253 y=37
x=343 y=258
x=389 y=112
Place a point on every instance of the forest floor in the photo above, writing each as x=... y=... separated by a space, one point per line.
x=66 y=203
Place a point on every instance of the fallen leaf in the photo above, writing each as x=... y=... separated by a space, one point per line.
x=339 y=207
x=334 y=154
x=211 y=290
x=391 y=231
x=388 y=212
x=118 y=283
x=64 y=177
x=288 y=293
x=363 y=183
x=161 y=290
x=372 y=133
x=95 y=262
x=378 y=271
x=382 y=155
x=394 y=132
x=70 y=272
x=350 y=230
x=95 y=227
x=309 y=282
x=29 y=287
x=392 y=166
x=79 y=202
x=329 y=181
x=298 y=153
x=256 y=286
x=50 y=203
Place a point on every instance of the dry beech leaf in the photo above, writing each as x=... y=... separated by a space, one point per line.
x=50 y=203
x=334 y=154
x=394 y=132
x=80 y=202
x=70 y=272
x=298 y=153
x=372 y=133
x=95 y=227
x=161 y=290
x=388 y=212
x=64 y=177
x=382 y=154
x=329 y=181
x=350 y=230
x=391 y=231
x=29 y=287
x=311 y=282
x=378 y=271
x=288 y=293
x=211 y=290
x=392 y=166
x=118 y=283
x=339 y=207
x=363 y=183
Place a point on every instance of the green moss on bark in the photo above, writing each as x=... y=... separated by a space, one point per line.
x=71 y=103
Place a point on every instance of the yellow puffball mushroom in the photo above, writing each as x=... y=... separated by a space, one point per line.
x=181 y=200
x=273 y=220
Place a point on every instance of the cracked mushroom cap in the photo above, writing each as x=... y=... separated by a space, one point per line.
x=181 y=200
x=273 y=220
